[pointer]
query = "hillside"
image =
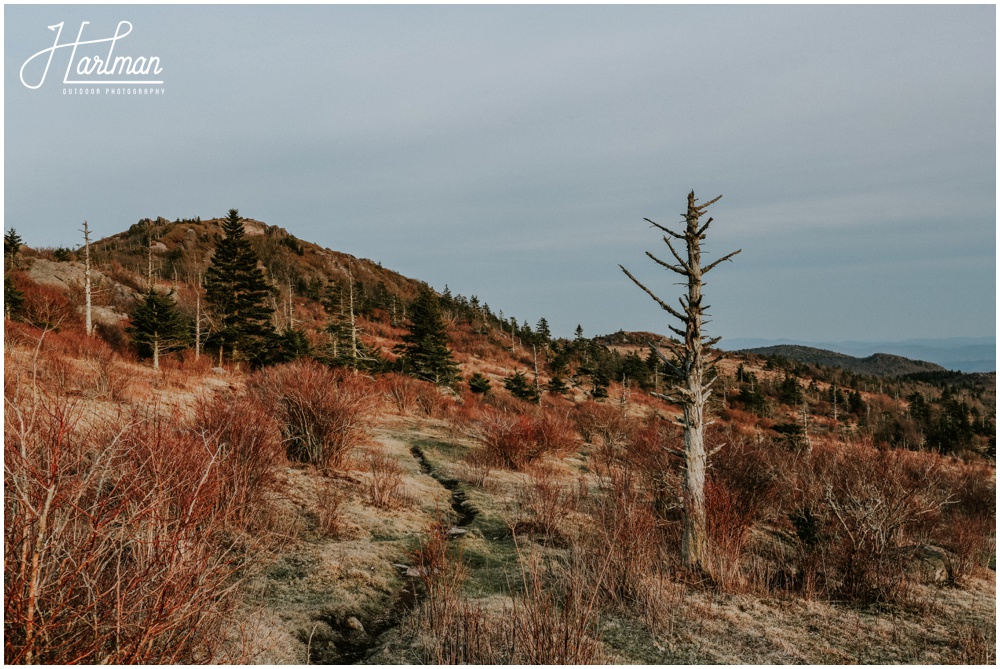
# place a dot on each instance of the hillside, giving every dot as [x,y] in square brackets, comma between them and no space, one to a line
[877,364]
[330,507]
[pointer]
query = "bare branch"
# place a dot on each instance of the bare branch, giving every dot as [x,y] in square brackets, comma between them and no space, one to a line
[666,230]
[723,258]
[680,270]
[702,207]
[676,255]
[673,312]
[668,398]
[702,229]
[664,360]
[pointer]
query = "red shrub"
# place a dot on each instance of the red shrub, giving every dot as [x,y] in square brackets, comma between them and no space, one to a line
[114,545]
[514,441]
[322,412]
[45,306]
[247,443]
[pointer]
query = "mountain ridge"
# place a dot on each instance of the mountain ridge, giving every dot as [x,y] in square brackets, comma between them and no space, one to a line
[964,354]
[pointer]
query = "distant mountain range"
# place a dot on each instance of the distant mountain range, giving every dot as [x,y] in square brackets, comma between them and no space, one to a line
[964,354]
[878,364]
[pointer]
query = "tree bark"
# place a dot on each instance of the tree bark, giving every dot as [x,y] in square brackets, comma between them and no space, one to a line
[691,372]
[86,279]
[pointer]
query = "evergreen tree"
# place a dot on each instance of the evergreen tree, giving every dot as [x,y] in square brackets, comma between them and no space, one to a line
[557,386]
[479,384]
[11,245]
[287,346]
[542,330]
[13,299]
[520,388]
[855,403]
[158,327]
[790,392]
[424,352]
[237,291]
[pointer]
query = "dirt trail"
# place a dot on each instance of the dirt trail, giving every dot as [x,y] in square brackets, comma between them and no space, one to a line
[332,600]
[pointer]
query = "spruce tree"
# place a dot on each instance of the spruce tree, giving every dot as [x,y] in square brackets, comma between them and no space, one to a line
[542,330]
[424,352]
[11,244]
[520,388]
[157,327]
[479,384]
[237,291]
[13,299]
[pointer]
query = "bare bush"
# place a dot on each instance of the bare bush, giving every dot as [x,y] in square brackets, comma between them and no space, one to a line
[739,495]
[602,420]
[515,441]
[551,622]
[322,412]
[385,483]
[400,390]
[114,543]
[329,500]
[545,504]
[248,442]
[626,546]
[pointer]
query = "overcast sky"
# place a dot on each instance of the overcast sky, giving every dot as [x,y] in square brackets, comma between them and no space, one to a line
[512,152]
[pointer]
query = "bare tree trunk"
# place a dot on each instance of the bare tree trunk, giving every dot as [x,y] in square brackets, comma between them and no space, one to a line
[156,352]
[354,329]
[86,279]
[693,388]
[197,320]
[538,390]
[149,256]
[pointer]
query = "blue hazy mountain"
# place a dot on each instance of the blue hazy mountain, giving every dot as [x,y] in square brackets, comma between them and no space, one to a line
[964,354]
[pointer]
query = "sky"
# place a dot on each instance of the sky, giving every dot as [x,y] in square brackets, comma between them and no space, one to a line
[512,152]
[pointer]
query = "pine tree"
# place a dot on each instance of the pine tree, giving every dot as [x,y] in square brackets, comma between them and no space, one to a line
[479,384]
[11,244]
[157,326]
[238,292]
[424,352]
[520,388]
[557,386]
[542,330]
[13,299]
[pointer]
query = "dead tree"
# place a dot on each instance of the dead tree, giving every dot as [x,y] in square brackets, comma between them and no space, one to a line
[86,280]
[691,370]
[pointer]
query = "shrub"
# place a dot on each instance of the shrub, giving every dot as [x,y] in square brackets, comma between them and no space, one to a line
[514,441]
[544,504]
[385,485]
[329,499]
[115,547]
[400,391]
[626,545]
[45,306]
[247,442]
[322,412]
